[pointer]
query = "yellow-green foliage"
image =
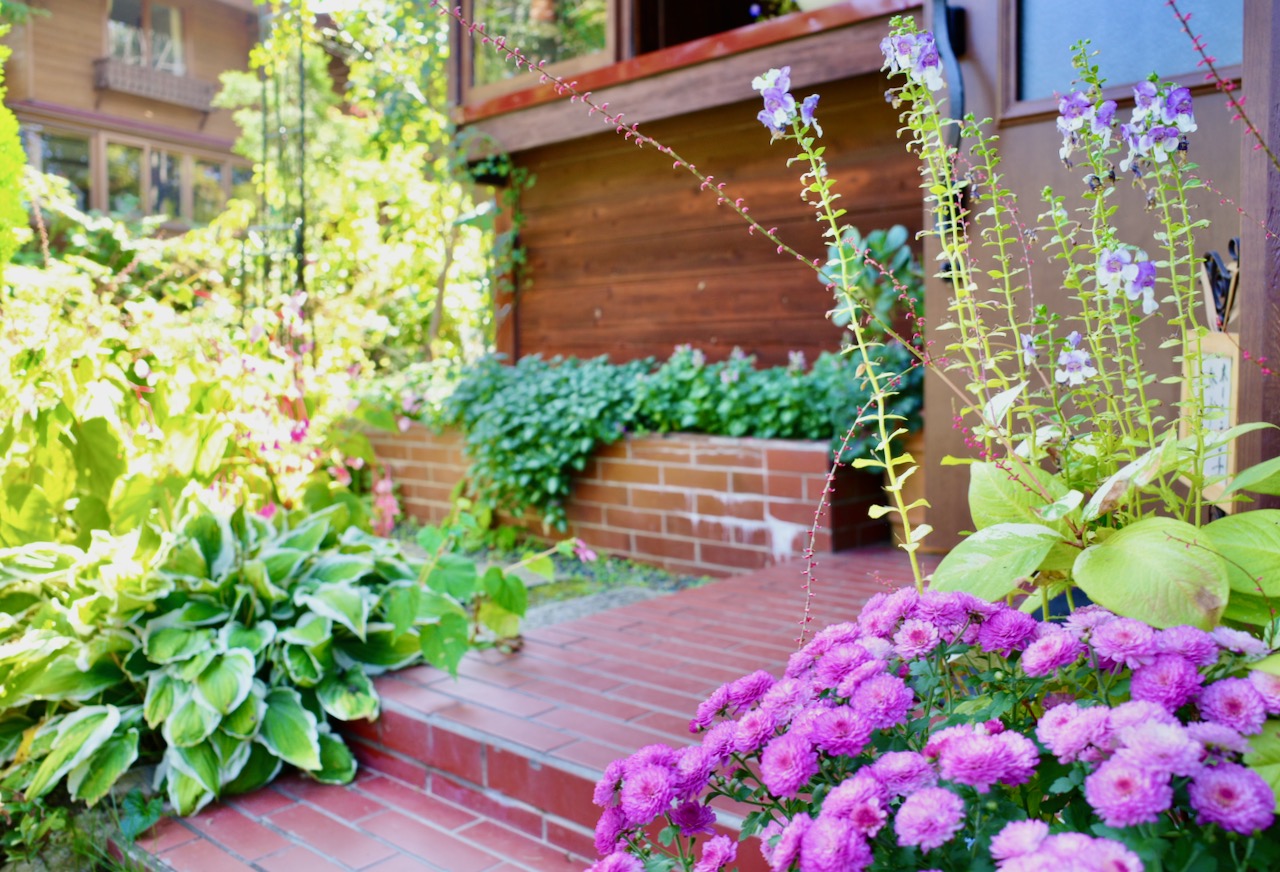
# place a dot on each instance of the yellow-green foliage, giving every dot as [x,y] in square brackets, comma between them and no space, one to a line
[12,161]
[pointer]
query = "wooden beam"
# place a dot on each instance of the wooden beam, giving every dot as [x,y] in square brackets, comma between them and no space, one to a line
[1260,247]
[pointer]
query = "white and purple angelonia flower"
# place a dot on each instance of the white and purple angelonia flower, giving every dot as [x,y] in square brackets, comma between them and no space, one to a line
[1029,353]
[1176,110]
[779,105]
[1161,141]
[916,54]
[1104,117]
[1140,282]
[1074,109]
[807,110]
[1112,263]
[1073,365]
[1145,100]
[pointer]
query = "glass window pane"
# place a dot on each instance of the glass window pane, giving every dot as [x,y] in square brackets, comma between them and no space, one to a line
[166,184]
[124,32]
[1137,40]
[242,186]
[206,192]
[556,30]
[166,40]
[124,179]
[68,156]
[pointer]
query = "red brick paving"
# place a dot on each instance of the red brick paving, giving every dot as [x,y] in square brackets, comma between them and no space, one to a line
[493,772]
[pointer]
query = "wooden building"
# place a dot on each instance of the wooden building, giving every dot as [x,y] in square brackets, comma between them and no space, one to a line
[627,257]
[116,96]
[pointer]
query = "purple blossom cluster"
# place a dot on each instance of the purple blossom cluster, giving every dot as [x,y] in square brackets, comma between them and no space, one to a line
[1074,364]
[915,54]
[780,107]
[1162,118]
[881,764]
[1130,270]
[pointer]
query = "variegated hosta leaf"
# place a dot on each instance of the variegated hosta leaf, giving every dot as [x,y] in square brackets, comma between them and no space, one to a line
[289,731]
[190,722]
[79,734]
[254,639]
[226,681]
[312,629]
[337,763]
[165,645]
[258,770]
[162,693]
[343,603]
[92,779]
[349,696]
[243,723]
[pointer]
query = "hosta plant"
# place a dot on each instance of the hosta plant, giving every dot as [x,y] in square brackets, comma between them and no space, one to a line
[223,652]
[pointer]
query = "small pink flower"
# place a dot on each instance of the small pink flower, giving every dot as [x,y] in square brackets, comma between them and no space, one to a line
[583,552]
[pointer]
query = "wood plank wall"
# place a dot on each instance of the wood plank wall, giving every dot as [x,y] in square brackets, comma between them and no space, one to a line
[628,258]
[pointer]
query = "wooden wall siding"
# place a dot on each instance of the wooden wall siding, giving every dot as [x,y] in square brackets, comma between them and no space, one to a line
[57,51]
[691,503]
[1030,149]
[628,258]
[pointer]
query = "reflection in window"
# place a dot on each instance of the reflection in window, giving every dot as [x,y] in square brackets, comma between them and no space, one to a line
[130,39]
[554,30]
[124,32]
[166,184]
[124,179]
[206,192]
[68,157]
[1135,41]
[166,40]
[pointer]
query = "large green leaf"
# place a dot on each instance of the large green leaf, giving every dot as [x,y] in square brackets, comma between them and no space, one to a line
[1156,570]
[282,564]
[98,457]
[162,693]
[225,682]
[289,731]
[91,780]
[1012,496]
[990,563]
[1264,756]
[507,590]
[383,649]
[303,668]
[344,603]
[173,644]
[337,763]
[341,567]
[1249,542]
[455,575]
[399,604]
[445,643]
[504,624]
[312,629]
[1262,478]
[186,794]
[349,696]
[80,734]
[253,639]
[258,771]
[243,723]
[190,722]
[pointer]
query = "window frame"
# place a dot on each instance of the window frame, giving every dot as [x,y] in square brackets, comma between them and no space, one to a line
[148,59]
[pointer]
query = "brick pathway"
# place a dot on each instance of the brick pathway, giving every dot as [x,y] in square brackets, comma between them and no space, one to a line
[494,771]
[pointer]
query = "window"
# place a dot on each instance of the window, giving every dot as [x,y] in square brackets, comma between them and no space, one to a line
[1137,39]
[124,179]
[242,186]
[67,155]
[206,191]
[165,194]
[146,34]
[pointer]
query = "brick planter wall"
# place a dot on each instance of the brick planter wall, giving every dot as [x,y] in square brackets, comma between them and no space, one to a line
[690,503]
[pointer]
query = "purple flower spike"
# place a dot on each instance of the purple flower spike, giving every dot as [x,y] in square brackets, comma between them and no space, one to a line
[1178,111]
[1074,110]
[1141,283]
[1144,99]
[1074,368]
[1029,353]
[807,109]
[1112,264]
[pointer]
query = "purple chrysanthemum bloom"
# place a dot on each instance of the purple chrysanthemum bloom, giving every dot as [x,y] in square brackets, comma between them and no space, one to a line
[1018,838]
[1074,368]
[657,754]
[1141,284]
[855,679]
[1234,702]
[607,787]
[1068,729]
[1234,797]
[709,708]
[1007,631]
[609,830]
[915,638]
[1177,110]
[830,845]
[754,729]
[692,770]
[929,818]
[1112,263]
[1082,621]
[693,818]
[807,110]
[1268,687]
[861,801]
[787,764]
[1170,680]
[618,862]
[880,616]
[646,793]
[740,694]
[837,663]
[1162,747]
[1125,641]
[883,700]
[1218,738]
[1144,100]
[903,772]
[720,741]
[1111,856]
[1124,794]
[1134,713]
[716,854]
[980,760]
[1238,641]
[1052,651]
[1074,109]
[786,850]
[1194,644]
[840,731]
[786,698]
[1029,353]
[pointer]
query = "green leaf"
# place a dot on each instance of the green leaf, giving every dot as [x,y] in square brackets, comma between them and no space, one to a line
[454,575]
[990,563]
[80,734]
[312,629]
[289,731]
[243,723]
[445,643]
[347,605]
[302,666]
[190,722]
[258,771]
[1249,543]
[998,407]
[252,639]
[162,693]
[337,763]
[92,779]
[349,696]
[1157,570]
[307,537]
[1261,478]
[139,813]
[98,457]
[1264,756]
[508,590]
[400,605]
[173,644]
[199,762]
[225,683]
[282,564]
[1139,472]
[382,649]
[341,567]
[1009,496]
[186,794]
[504,624]
[543,566]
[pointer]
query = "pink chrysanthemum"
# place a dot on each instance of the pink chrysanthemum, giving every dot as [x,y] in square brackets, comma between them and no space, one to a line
[830,845]
[787,764]
[883,700]
[1068,729]
[1268,687]
[980,760]
[1124,793]
[1018,838]
[860,800]
[1234,797]
[1233,702]
[1051,652]
[855,679]
[786,849]
[881,614]
[646,793]
[915,638]
[716,854]
[691,771]
[693,818]
[607,787]
[1192,643]
[837,663]
[903,772]
[651,755]
[1163,747]
[840,731]
[787,697]
[754,729]
[1170,680]
[619,862]
[1238,641]
[929,818]
[720,740]
[1082,621]
[709,708]
[742,693]
[609,830]
[1218,738]
[1006,631]
[1125,641]
[1114,857]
